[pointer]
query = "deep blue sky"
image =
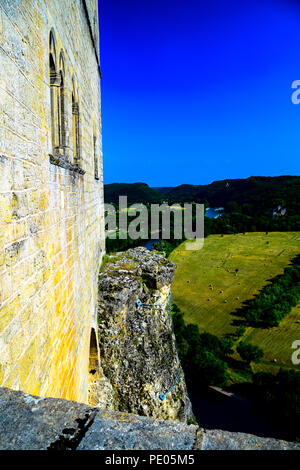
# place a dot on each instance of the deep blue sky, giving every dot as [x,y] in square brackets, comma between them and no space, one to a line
[195,91]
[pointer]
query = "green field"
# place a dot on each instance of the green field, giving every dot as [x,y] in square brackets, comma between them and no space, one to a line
[209,290]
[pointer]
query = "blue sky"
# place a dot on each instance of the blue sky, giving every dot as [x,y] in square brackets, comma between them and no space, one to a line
[195,91]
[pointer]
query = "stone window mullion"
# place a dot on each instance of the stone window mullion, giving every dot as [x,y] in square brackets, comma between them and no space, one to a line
[55,121]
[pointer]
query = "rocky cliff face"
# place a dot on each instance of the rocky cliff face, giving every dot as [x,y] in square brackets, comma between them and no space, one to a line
[137,344]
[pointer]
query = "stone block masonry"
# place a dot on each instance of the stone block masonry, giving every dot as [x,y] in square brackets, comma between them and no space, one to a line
[51,203]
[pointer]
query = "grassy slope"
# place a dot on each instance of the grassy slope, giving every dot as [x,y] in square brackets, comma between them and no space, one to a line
[257,262]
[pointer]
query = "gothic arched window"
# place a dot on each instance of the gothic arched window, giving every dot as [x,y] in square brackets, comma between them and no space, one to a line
[61,104]
[54,85]
[96,159]
[75,125]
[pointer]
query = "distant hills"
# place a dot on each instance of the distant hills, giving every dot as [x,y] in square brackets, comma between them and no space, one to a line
[257,193]
[135,192]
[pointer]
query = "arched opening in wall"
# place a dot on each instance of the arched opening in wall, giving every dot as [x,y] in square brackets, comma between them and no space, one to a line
[62,130]
[75,126]
[54,85]
[74,132]
[94,370]
[96,159]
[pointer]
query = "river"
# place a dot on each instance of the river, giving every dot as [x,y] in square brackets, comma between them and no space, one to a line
[214,410]
[214,212]
[149,244]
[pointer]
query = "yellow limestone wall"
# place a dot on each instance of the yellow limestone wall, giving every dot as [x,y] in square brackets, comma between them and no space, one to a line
[51,232]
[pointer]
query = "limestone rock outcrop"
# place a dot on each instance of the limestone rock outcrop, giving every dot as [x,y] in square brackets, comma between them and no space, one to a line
[136,341]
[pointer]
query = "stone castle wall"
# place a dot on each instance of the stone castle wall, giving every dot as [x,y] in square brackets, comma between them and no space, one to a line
[51,203]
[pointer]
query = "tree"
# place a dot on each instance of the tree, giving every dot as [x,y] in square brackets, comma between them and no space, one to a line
[226,346]
[249,352]
[233,206]
[209,369]
[240,331]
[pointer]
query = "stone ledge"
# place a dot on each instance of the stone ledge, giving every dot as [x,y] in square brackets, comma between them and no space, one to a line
[123,431]
[215,439]
[59,161]
[34,423]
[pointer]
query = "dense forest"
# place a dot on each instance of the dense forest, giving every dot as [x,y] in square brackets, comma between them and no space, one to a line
[255,195]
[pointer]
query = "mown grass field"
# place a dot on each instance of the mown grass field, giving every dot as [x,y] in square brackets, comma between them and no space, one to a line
[212,284]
